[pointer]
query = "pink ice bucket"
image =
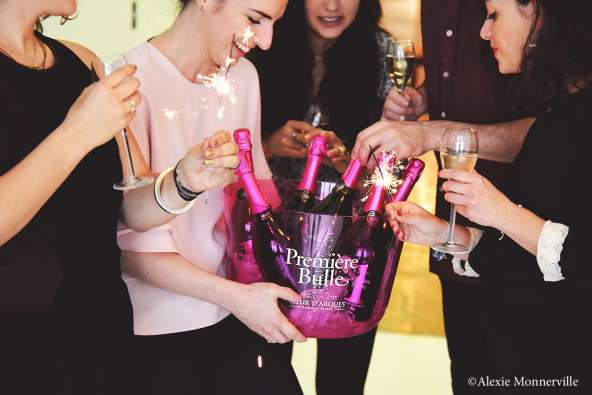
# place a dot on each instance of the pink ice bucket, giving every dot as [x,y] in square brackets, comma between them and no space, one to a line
[345,289]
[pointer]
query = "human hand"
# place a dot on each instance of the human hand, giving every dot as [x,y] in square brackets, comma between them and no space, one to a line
[415,224]
[256,305]
[408,106]
[406,139]
[476,198]
[290,140]
[210,164]
[104,108]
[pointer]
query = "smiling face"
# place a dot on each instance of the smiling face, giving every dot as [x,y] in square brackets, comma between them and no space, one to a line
[234,27]
[330,18]
[507,28]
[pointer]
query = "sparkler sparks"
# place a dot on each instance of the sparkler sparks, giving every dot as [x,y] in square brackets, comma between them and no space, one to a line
[387,174]
[248,34]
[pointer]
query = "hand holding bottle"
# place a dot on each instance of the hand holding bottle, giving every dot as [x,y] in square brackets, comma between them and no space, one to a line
[210,164]
[256,305]
[103,109]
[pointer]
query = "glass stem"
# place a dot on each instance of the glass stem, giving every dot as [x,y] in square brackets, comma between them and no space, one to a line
[130,162]
[452,224]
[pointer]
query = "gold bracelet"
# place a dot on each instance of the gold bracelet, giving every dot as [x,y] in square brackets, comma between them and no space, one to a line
[158,196]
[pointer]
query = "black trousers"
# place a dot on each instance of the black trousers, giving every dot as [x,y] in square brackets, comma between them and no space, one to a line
[40,356]
[224,359]
[466,323]
[342,364]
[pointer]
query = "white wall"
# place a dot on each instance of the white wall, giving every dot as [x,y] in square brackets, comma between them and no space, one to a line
[105,25]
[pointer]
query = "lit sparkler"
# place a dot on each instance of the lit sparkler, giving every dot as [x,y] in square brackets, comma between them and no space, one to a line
[387,174]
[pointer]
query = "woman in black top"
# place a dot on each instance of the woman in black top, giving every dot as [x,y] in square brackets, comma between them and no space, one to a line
[536,270]
[64,311]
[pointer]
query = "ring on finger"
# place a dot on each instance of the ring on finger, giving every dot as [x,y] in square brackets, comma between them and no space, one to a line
[341,150]
[133,103]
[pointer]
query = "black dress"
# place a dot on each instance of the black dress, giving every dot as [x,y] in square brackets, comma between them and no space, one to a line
[537,328]
[64,310]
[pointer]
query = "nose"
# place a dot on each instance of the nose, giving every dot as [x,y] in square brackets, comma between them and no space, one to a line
[486,30]
[332,5]
[264,36]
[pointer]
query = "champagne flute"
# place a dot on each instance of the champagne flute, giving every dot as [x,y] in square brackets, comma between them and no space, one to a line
[132,181]
[459,150]
[401,63]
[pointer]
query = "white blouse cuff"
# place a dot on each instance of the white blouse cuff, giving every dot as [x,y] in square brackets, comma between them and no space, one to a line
[549,250]
[467,271]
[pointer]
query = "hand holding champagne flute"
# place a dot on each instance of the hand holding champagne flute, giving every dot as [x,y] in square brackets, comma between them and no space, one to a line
[401,63]
[459,150]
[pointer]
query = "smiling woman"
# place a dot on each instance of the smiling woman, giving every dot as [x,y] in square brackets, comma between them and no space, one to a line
[198,332]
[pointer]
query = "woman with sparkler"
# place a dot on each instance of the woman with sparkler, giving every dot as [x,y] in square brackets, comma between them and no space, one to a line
[326,70]
[532,254]
[198,332]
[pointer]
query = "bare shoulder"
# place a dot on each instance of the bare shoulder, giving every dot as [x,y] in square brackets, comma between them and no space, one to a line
[85,54]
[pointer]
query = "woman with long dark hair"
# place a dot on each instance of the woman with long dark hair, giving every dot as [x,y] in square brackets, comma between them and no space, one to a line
[326,69]
[532,253]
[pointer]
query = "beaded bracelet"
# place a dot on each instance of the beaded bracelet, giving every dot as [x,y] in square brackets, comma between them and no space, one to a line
[186,194]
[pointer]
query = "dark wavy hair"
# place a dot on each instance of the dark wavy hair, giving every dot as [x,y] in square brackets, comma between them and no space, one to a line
[563,53]
[348,92]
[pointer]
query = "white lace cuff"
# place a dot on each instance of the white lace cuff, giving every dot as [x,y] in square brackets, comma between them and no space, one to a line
[549,250]
[467,271]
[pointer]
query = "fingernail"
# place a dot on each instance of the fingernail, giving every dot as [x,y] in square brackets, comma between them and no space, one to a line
[399,212]
[209,153]
[208,162]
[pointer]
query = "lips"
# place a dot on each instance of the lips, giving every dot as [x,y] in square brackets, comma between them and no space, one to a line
[330,21]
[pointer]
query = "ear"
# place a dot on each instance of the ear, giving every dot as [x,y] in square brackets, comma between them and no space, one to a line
[211,5]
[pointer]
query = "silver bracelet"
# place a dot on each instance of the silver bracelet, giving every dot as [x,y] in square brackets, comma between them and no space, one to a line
[160,200]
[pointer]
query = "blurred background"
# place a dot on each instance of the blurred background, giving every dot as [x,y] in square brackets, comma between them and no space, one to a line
[410,355]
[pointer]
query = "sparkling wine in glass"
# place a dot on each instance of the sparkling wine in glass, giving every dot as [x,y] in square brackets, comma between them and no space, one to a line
[459,150]
[401,63]
[132,181]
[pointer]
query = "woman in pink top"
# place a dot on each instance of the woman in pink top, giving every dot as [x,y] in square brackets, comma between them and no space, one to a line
[199,332]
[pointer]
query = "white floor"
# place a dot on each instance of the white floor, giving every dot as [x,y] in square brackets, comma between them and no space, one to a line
[401,365]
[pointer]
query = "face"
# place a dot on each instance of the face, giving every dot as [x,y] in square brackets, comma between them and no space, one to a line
[507,27]
[234,27]
[330,18]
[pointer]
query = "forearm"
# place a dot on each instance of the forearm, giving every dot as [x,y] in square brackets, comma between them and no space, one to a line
[174,273]
[141,212]
[29,185]
[522,226]
[498,142]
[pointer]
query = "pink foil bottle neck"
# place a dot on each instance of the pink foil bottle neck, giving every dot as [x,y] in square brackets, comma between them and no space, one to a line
[352,174]
[410,177]
[242,138]
[248,182]
[316,152]
[375,202]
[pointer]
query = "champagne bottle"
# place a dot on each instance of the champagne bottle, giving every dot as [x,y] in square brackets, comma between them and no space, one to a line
[340,200]
[242,138]
[304,198]
[410,177]
[270,240]
[365,244]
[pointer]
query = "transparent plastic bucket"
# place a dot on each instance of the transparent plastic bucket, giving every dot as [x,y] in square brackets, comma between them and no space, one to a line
[341,296]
